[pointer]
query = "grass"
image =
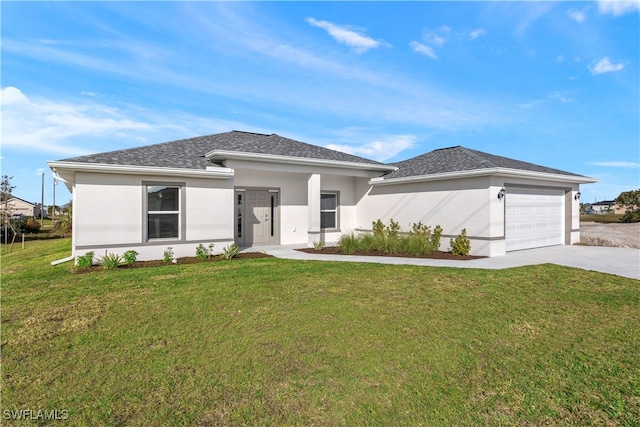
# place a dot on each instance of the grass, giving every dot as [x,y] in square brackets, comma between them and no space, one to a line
[602,218]
[280,342]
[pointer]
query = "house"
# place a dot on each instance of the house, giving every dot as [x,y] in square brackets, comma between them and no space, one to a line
[603,207]
[19,207]
[257,189]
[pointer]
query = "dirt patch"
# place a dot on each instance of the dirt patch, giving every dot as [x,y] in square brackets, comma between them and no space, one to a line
[333,250]
[613,234]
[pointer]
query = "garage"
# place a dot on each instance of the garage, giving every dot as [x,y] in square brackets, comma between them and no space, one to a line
[534,218]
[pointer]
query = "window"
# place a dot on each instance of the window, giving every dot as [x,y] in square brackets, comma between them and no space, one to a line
[163,212]
[328,211]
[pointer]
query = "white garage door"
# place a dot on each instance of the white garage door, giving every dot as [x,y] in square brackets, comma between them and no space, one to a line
[533,218]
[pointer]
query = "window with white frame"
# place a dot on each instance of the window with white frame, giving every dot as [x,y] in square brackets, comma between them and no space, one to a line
[163,212]
[329,211]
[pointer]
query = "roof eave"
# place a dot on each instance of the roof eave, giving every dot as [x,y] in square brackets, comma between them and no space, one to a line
[274,158]
[220,173]
[506,172]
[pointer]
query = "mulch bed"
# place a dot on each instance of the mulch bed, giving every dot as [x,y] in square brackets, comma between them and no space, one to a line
[185,260]
[334,250]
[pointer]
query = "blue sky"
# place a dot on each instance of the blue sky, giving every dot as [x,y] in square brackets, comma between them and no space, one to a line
[552,83]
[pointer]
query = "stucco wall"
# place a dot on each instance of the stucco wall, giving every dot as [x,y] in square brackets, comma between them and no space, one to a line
[109,215]
[452,204]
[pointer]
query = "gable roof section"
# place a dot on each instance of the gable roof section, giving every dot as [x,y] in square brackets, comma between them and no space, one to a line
[462,161]
[190,153]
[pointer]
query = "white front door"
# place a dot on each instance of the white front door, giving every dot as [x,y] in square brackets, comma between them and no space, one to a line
[533,218]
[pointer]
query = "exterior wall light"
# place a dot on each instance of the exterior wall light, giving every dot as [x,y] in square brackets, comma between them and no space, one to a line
[501,193]
[578,194]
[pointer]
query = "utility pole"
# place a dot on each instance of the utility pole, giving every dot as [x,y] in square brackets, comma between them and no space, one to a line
[42,204]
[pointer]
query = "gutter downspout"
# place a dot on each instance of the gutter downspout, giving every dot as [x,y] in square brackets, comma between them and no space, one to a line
[60,261]
[57,176]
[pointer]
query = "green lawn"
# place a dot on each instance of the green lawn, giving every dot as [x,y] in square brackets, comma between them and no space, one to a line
[280,342]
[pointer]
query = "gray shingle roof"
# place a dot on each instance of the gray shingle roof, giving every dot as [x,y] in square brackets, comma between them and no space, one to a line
[456,159]
[189,153]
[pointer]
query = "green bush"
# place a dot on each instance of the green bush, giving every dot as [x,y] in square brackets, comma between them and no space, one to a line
[230,251]
[630,199]
[349,243]
[631,216]
[203,252]
[167,256]
[318,245]
[130,256]
[389,239]
[85,260]
[435,238]
[461,245]
[110,261]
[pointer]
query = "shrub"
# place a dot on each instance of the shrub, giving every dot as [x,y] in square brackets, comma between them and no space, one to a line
[203,252]
[378,228]
[130,256]
[318,245]
[64,225]
[110,261]
[349,243]
[461,245]
[435,238]
[229,252]
[631,216]
[630,199]
[385,238]
[32,226]
[168,255]
[85,260]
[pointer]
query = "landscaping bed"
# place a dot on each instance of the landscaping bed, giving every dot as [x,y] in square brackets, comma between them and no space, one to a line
[184,260]
[334,250]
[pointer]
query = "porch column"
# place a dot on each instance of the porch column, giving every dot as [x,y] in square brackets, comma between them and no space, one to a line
[313,205]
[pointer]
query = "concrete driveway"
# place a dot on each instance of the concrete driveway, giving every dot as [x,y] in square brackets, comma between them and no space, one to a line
[623,262]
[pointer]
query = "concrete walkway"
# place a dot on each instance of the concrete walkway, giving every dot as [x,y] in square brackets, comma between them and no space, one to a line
[623,262]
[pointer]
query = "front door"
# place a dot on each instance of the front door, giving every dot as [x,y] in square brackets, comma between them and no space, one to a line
[258,223]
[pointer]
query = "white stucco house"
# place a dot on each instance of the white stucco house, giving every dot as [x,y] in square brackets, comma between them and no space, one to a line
[257,189]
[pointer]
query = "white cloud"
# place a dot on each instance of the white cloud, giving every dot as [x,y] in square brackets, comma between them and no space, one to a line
[434,39]
[63,128]
[617,164]
[605,66]
[477,33]
[559,58]
[12,96]
[379,150]
[360,43]
[577,15]
[425,50]
[618,7]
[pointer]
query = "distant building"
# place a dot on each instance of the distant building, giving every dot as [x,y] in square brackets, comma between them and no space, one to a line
[605,206]
[17,206]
